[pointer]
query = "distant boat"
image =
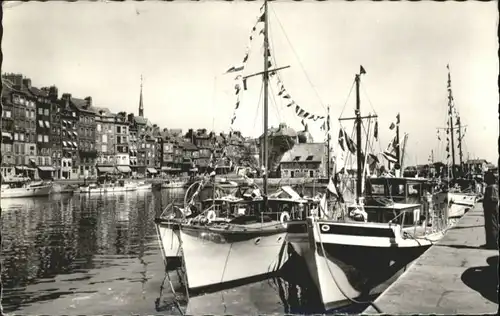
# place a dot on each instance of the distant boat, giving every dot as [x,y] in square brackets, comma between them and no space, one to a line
[21,189]
[107,187]
[174,184]
[143,186]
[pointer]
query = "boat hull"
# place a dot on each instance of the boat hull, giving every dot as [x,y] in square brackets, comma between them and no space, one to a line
[170,240]
[144,187]
[8,193]
[218,259]
[356,261]
[87,190]
[457,203]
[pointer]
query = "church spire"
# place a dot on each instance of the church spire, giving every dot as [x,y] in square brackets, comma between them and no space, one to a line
[141,106]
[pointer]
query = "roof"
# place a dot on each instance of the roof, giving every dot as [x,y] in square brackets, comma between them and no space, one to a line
[305,152]
[282,130]
[105,111]
[189,146]
[141,120]
[39,92]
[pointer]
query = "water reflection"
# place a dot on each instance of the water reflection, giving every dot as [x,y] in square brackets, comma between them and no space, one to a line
[100,255]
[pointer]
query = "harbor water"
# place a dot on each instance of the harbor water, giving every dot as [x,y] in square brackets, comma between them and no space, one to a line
[98,254]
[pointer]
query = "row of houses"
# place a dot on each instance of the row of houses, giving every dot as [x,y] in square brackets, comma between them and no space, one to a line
[47,135]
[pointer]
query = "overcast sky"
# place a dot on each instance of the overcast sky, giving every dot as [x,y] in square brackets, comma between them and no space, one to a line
[183,49]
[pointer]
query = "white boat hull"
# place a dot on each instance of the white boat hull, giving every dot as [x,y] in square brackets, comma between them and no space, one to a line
[8,193]
[170,240]
[88,190]
[173,185]
[213,259]
[144,187]
[359,259]
[457,203]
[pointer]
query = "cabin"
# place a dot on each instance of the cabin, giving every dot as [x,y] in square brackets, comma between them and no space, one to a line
[408,195]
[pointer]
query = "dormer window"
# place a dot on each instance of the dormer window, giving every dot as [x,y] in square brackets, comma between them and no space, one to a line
[309,158]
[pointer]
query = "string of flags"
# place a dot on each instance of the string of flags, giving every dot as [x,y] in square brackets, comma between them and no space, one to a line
[240,82]
[393,125]
[390,152]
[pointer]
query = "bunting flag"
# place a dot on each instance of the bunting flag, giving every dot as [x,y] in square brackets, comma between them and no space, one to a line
[390,152]
[375,131]
[351,146]
[393,125]
[240,82]
[341,139]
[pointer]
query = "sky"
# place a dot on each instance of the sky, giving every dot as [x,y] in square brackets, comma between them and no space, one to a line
[183,49]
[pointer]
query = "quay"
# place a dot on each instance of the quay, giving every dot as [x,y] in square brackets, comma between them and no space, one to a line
[455,276]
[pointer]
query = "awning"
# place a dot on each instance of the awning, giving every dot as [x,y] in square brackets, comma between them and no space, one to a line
[46,168]
[33,161]
[24,168]
[65,122]
[75,145]
[75,133]
[47,124]
[7,135]
[193,169]
[124,169]
[152,170]
[40,123]
[104,169]
[165,168]
[65,144]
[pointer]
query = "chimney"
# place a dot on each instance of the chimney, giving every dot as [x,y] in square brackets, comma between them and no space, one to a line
[27,83]
[89,102]
[66,97]
[53,93]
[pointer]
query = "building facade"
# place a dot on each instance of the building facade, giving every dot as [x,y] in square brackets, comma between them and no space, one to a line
[43,131]
[86,137]
[69,138]
[305,160]
[122,156]
[105,141]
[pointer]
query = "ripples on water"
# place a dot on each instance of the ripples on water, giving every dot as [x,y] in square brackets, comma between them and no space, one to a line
[100,254]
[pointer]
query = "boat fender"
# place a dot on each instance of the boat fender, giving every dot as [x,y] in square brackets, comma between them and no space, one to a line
[211,215]
[284,217]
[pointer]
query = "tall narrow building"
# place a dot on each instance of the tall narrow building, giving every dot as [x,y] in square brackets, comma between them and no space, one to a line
[141,106]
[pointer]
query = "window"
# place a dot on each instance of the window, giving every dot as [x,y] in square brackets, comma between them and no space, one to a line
[311,172]
[297,158]
[40,138]
[98,127]
[40,111]
[104,148]
[16,136]
[292,174]
[46,112]
[118,129]
[27,113]
[309,158]
[46,138]
[21,137]
[104,138]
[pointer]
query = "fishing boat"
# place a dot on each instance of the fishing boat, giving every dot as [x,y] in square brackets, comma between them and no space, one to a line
[25,188]
[361,248]
[458,193]
[236,238]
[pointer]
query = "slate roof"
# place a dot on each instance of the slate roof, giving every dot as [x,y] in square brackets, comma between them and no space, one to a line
[308,152]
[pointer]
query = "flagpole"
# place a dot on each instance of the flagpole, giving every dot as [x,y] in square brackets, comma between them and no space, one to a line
[266,79]
[358,140]
[450,107]
[328,144]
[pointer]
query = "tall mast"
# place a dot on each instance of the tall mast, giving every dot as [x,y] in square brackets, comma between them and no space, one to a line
[328,144]
[266,80]
[398,149]
[450,112]
[460,152]
[358,139]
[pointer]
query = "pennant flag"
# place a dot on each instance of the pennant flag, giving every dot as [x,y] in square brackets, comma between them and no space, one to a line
[331,188]
[389,156]
[375,132]
[350,143]
[301,112]
[235,69]
[392,126]
[372,159]
[245,84]
[290,104]
[303,123]
[287,96]
[297,109]
[362,70]
[306,114]
[341,139]
[262,18]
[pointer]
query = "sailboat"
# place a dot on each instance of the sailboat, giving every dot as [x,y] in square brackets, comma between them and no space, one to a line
[458,194]
[359,253]
[239,238]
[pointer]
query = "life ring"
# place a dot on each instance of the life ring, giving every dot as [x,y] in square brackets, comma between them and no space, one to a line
[284,217]
[211,215]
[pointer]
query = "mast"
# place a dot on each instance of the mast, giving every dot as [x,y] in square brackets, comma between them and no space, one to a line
[358,138]
[328,145]
[450,111]
[398,149]
[460,153]
[266,82]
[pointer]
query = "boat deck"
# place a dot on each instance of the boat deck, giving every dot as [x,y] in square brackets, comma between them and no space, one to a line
[456,276]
